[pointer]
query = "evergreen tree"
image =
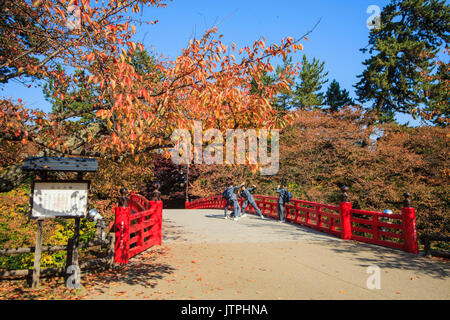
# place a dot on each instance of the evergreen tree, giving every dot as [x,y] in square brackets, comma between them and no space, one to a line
[403,52]
[81,96]
[312,77]
[285,100]
[438,110]
[304,91]
[337,98]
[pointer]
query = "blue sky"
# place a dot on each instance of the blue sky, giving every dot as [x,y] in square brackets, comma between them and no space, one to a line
[337,39]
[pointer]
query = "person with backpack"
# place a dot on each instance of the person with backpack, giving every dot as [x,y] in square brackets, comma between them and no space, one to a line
[284,196]
[249,200]
[231,199]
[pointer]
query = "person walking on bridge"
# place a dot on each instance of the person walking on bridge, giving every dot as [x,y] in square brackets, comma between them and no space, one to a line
[281,190]
[231,199]
[249,200]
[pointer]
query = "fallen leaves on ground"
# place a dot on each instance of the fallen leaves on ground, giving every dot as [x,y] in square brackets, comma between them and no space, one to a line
[143,269]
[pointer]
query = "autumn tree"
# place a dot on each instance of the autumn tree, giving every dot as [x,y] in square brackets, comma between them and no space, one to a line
[399,73]
[379,162]
[132,114]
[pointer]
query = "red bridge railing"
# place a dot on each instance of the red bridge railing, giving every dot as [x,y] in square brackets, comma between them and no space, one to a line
[390,230]
[138,227]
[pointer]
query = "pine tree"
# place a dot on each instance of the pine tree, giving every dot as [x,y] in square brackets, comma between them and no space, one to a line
[337,98]
[312,77]
[438,110]
[284,100]
[403,52]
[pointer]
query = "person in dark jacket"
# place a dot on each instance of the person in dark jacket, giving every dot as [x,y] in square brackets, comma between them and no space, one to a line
[231,199]
[281,190]
[249,200]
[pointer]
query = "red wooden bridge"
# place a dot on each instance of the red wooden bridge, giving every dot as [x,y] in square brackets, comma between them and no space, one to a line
[390,230]
[138,225]
[308,257]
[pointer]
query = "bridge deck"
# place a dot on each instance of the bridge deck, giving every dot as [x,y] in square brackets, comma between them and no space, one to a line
[204,256]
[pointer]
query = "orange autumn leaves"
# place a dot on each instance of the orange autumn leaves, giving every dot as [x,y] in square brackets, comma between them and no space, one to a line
[208,82]
[205,83]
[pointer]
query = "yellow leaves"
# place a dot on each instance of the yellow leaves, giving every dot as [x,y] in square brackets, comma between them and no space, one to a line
[133,29]
[129,98]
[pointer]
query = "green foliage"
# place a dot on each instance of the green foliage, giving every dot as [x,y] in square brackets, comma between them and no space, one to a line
[400,70]
[82,96]
[312,76]
[16,231]
[285,101]
[304,90]
[438,109]
[337,98]
[145,65]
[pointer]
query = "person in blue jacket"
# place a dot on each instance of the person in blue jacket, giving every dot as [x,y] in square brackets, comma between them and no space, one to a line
[231,199]
[249,200]
[281,190]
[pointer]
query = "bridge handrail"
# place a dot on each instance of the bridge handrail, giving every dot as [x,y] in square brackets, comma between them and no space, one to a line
[379,228]
[138,227]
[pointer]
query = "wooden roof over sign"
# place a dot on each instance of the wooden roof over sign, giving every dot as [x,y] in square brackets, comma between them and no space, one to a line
[60,164]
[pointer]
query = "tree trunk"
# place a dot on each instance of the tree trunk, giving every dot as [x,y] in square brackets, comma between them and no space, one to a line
[12,177]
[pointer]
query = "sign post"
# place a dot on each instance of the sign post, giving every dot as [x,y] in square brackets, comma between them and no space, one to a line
[63,199]
[37,254]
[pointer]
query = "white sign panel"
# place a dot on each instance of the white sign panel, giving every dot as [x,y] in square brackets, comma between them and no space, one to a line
[59,199]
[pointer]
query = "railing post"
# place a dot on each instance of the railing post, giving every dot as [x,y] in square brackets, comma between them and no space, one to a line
[159,223]
[156,194]
[427,245]
[409,225]
[122,227]
[319,216]
[344,209]
[110,251]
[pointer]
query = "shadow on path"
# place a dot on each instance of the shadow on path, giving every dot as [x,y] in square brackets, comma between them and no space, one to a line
[143,269]
[365,254]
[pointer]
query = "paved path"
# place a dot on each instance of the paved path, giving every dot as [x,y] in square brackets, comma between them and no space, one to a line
[204,256]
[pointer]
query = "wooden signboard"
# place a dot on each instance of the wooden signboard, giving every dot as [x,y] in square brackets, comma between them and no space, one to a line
[66,199]
[52,199]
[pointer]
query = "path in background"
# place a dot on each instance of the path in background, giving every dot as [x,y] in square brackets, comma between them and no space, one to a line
[204,256]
